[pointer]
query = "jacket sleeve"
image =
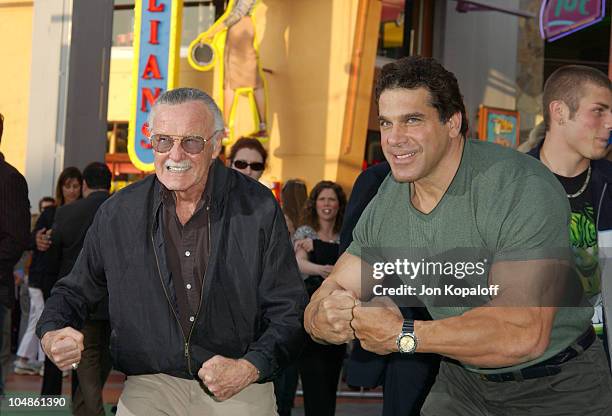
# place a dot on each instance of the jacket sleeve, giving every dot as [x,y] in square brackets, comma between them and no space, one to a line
[282,299]
[79,292]
[14,219]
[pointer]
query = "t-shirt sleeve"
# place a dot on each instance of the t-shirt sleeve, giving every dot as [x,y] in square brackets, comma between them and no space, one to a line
[364,241]
[529,220]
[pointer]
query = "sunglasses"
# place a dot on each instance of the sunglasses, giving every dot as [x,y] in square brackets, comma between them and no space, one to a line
[243,164]
[163,143]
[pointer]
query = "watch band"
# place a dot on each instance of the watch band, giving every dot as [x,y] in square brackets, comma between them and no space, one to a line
[408,326]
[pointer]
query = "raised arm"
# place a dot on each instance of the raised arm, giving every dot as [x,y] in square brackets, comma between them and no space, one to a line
[71,299]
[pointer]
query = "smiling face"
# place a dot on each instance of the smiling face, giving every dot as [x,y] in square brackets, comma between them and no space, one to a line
[249,156]
[71,190]
[413,139]
[327,205]
[588,131]
[176,169]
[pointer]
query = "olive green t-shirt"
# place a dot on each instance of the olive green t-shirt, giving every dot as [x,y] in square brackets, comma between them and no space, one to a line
[500,200]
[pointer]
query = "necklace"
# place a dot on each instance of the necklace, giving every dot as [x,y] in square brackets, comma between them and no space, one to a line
[584,185]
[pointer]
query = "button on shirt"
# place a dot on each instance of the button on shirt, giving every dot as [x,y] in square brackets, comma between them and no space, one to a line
[187,251]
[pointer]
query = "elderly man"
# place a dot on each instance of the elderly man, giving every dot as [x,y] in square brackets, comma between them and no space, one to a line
[205,299]
[520,344]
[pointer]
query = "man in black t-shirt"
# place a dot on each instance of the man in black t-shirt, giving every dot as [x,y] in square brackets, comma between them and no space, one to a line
[578,117]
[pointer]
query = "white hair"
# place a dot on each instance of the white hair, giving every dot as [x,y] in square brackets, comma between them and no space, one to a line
[184,95]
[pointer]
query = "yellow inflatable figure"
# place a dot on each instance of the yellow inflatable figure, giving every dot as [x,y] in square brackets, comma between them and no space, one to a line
[233,38]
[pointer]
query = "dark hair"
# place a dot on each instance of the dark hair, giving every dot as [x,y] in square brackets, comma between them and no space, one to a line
[567,84]
[248,143]
[1,125]
[293,196]
[43,200]
[69,173]
[97,176]
[309,214]
[419,72]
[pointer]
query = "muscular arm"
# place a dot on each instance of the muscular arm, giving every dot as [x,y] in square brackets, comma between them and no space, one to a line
[507,331]
[489,336]
[514,327]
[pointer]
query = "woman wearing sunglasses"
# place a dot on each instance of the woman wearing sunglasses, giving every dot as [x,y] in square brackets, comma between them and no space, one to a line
[248,156]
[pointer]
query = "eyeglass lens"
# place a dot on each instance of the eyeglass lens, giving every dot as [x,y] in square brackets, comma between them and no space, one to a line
[242,164]
[190,144]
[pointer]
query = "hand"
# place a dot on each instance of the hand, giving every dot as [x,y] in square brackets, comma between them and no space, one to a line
[225,377]
[325,270]
[331,321]
[63,347]
[304,243]
[43,239]
[377,324]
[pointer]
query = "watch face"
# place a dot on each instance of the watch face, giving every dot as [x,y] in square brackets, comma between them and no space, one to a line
[406,344]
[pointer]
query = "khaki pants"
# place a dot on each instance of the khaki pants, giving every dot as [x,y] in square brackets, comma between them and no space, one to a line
[161,394]
[584,387]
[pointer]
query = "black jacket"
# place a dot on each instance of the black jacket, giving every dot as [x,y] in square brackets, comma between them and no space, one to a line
[14,226]
[253,297]
[70,226]
[38,267]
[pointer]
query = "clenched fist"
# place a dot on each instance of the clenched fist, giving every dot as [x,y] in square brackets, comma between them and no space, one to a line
[63,347]
[225,377]
[331,319]
[377,324]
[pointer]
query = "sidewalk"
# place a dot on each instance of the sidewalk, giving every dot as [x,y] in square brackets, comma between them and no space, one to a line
[22,386]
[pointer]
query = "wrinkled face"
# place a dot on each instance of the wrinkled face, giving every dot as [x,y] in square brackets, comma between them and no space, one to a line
[587,133]
[176,169]
[327,205]
[249,156]
[71,190]
[412,137]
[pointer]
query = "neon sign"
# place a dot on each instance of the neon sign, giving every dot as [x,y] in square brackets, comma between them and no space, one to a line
[154,69]
[559,18]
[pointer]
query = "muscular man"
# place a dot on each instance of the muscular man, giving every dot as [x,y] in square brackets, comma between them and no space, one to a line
[516,350]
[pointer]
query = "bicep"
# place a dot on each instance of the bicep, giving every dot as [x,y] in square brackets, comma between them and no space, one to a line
[347,274]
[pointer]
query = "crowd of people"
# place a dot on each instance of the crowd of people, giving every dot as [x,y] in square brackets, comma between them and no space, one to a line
[209,295]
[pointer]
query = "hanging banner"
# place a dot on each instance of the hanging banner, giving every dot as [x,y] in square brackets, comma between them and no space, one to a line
[157,29]
[559,18]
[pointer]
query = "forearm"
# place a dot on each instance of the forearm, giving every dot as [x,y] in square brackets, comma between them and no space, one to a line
[307,267]
[488,337]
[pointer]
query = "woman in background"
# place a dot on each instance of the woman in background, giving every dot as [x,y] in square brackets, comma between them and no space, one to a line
[320,365]
[248,156]
[68,190]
